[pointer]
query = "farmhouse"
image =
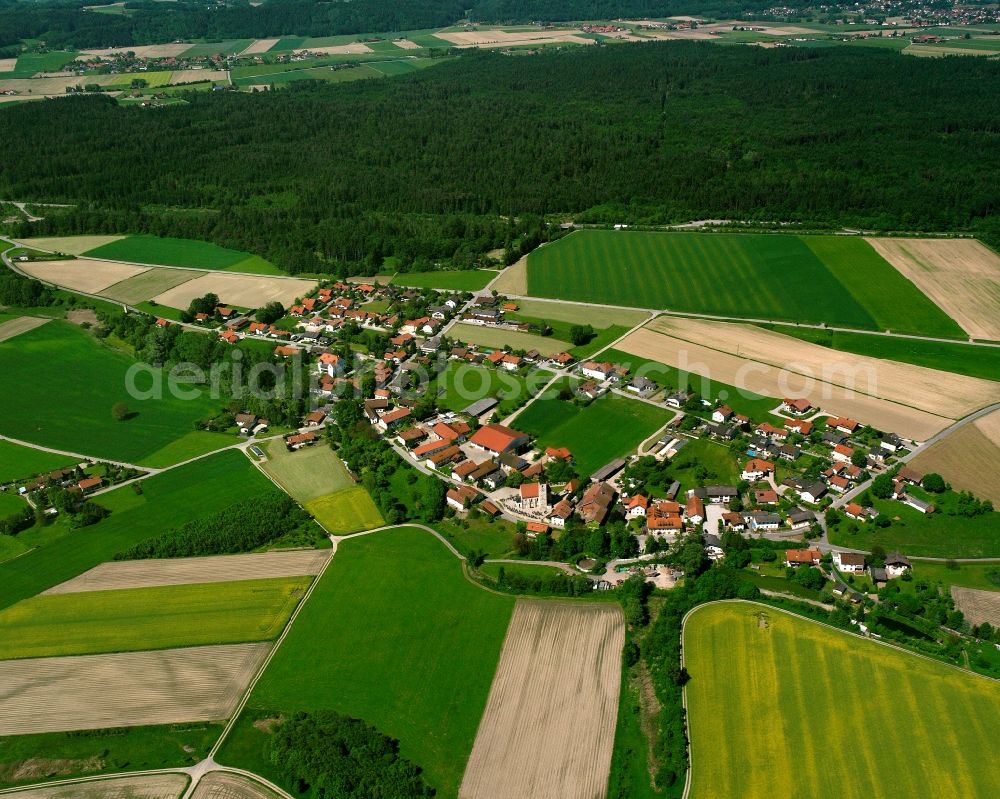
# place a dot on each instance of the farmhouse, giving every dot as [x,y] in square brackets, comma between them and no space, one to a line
[561,513]
[695,509]
[597,371]
[716,495]
[636,506]
[896,565]
[90,484]
[442,457]
[664,516]
[300,440]
[759,520]
[462,497]
[390,419]
[596,503]
[497,439]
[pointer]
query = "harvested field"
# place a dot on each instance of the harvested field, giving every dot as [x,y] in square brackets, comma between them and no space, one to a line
[500,38]
[141,51]
[151,786]
[910,400]
[196,75]
[182,571]
[222,785]
[52,85]
[260,46]
[549,723]
[961,275]
[124,690]
[355,48]
[513,281]
[241,290]
[71,245]
[88,276]
[348,510]
[977,606]
[8,64]
[15,327]
[498,338]
[968,458]
[405,44]
[148,284]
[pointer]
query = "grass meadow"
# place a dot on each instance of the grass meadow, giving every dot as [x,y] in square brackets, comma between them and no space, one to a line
[817,279]
[17,462]
[166,251]
[963,359]
[136,619]
[167,500]
[307,474]
[608,428]
[778,689]
[393,634]
[464,280]
[499,338]
[69,407]
[461,384]
[349,510]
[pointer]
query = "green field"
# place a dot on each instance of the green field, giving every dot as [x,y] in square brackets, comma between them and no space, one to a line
[11,547]
[148,284]
[498,338]
[226,46]
[722,465]
[756,407]
[135,619]
[72,754]
[30,63]
[92,380]
[167,500]
[769,690]
[307,474]
[464,280]
[763,276]
[963,359]
[10,503]
[580,314]
[461,384]
[984,575]
[17,462]
[403,66]
[608,428]
[936,535]
[349,510]
[494,538]
[393,634]
[278,78]
[153,79]
[166,251]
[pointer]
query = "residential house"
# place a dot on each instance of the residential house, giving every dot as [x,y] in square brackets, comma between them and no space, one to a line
[561,513]
[462,497]
[716,495]
[664,517]
[765,496]
[597,371]
[800,518]
[299,440]
[511,362]
[635,506]
[842,452]
[678,399]
[89,484]
[722,414]
[800,426]
[734,521]
[390,419]
[331,363]
[762,521]
[757,469]
[768,430]
[851,562]
[896,565]
[713,547]
[796,406]
[315,418]
[694,510]
[802,557]
[642,386]
[536,529]
[843,424]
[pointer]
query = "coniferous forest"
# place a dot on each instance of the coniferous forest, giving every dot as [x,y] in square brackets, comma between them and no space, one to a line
[475,153]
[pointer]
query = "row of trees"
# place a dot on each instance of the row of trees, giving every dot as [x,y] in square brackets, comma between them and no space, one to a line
[646,134]
[242,527]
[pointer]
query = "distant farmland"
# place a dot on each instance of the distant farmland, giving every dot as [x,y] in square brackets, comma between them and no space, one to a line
[833,279]
[165,251]
[769,690]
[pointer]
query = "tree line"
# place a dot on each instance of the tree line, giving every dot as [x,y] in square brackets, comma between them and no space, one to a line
[475,153]
[242,527]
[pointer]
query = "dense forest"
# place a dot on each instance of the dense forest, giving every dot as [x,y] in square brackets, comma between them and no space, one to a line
[66,23]
[433,166]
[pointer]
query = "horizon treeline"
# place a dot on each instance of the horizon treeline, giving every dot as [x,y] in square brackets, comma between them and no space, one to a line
[475,153]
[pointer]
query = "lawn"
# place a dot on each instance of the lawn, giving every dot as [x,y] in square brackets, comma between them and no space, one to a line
[936,535]
[764,276]
[525,570]
[167,500]
[493,538]
[985,576]
[461,384]
[17,462]
[76,416]
[464,280]
[610,427]
[704,462]
[963,359]
[307,474]
[349,510]
[166,251]
[393,634]
[778,689]
[115,750]
[754,406]
[136,619]
[498,338]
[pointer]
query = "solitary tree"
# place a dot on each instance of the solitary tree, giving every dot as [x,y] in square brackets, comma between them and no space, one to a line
[119,411]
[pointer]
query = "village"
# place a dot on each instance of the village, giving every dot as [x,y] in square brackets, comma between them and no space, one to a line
[795,478]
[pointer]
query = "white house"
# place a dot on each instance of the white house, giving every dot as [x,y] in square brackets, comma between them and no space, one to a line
[896,565]
[757,469]
[597,371]
[850,562]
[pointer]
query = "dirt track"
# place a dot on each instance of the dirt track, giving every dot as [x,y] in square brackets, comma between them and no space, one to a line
[125,690]
[15,327]
[549,724]
[961,275]
[978,606]
[220,785]
[155,786]
[183,571]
